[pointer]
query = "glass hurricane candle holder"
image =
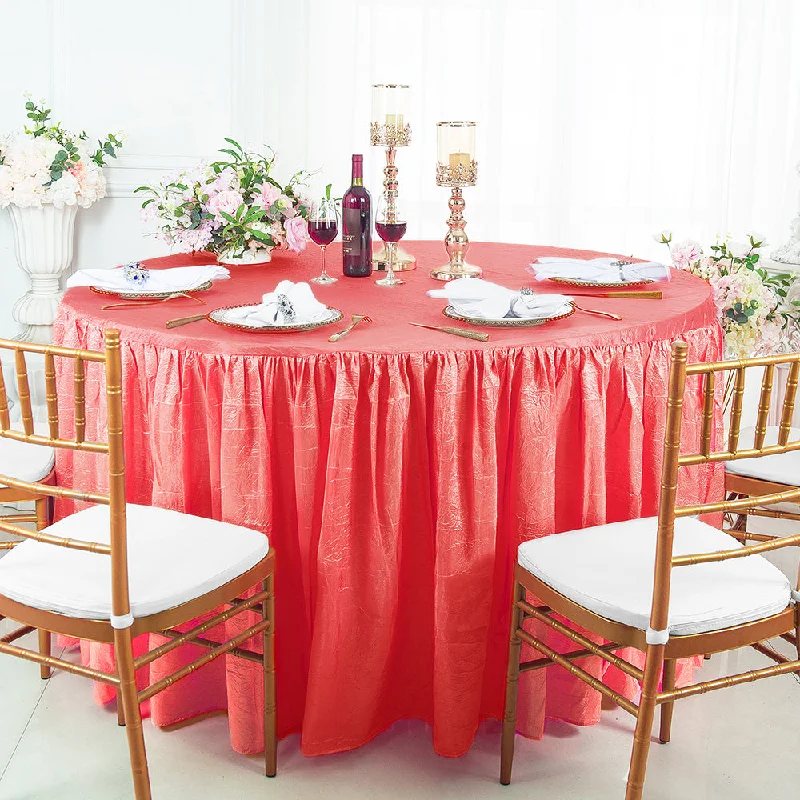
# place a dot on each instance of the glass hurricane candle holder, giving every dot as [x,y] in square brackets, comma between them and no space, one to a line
[389,129]
[456,167]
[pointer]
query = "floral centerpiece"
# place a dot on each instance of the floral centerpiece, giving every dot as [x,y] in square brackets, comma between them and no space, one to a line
[759,310]
[46,173]
[46,163]
[232,207]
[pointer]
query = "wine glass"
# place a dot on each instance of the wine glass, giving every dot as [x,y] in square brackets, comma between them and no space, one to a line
[322,228]
[390,224]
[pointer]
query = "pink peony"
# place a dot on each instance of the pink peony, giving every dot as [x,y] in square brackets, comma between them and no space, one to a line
[685,253]
[266,196]
[227,201]
[296,233]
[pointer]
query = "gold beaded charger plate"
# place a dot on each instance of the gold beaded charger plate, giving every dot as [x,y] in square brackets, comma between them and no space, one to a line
[600,284]
[512,322]
[222,316]
[142,294]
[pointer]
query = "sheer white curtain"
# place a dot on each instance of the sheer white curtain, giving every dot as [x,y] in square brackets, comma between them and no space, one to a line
[600,121]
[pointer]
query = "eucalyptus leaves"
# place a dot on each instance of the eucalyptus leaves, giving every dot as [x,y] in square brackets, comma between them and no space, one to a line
[229,206]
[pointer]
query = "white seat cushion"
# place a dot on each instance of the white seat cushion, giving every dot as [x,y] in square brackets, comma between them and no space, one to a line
[608,569]
[25,461]
[779,468]
[172,558]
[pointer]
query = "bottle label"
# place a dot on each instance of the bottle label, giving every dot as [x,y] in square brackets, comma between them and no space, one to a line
[352,233]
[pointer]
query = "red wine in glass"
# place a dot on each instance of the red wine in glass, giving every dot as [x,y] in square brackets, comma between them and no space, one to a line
[322,232]
[390,223]
[323,226]
[391,231]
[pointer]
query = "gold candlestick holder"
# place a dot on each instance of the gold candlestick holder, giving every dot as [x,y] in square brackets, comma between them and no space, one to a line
[389,129]
[456,168]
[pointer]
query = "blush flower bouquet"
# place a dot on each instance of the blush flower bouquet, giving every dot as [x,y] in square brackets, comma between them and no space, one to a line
[46,163]
[233,207]
[759,310]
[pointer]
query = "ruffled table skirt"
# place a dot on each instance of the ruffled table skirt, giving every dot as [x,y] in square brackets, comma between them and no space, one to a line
[395,474]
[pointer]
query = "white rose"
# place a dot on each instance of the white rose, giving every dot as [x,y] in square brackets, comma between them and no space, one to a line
[757,239]
[663,237]
[738,249]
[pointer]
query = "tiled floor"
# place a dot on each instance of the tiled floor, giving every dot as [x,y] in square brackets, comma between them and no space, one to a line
[740,744]
[737,744]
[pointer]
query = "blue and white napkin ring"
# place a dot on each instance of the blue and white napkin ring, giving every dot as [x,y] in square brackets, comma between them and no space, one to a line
[285,309]
[135,274]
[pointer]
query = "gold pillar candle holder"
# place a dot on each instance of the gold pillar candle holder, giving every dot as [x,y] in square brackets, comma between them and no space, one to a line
[389,129]
[456,167]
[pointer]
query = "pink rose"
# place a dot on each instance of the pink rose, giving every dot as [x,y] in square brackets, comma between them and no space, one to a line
[686,253]
[227,201]
[296,233]
[266,196]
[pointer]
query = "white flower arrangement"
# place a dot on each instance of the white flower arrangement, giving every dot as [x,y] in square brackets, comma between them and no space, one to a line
[759,311]
[47,164]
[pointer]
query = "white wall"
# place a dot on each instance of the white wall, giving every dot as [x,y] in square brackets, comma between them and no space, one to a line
[599,120]
[166,72]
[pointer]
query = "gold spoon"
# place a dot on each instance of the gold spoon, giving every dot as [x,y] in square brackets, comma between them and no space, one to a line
[356,319]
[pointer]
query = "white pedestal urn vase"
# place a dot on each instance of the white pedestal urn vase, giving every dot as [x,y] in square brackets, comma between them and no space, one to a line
[43,239]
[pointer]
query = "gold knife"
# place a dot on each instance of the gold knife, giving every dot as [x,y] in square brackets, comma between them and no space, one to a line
[479,337]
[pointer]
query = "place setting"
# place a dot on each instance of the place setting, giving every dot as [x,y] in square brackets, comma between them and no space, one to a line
[601,273]
[290,308]
[481,302]
[140,286]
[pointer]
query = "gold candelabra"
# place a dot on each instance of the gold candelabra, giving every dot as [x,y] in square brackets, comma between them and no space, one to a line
[389,129]
[456,168]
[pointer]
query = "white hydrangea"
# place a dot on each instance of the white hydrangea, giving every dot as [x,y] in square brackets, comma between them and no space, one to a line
[25,178]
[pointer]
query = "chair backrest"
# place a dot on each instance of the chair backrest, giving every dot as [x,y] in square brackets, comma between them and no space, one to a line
[668,510]
[112,447]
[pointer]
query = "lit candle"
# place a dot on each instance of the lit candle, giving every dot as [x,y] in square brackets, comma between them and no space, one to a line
[394,120]
[459,160]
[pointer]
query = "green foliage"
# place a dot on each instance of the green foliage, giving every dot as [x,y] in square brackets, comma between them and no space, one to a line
[69,156]
[182,203]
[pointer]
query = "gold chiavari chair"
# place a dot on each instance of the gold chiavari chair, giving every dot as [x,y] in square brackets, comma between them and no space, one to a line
[114,570]
[33,464]
[670,586]
[749,478]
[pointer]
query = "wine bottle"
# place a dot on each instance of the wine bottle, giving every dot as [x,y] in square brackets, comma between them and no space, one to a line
[357,225]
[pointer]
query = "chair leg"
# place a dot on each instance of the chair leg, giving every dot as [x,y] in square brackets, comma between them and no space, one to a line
[44,649]
[270,711]
[644,722]
[123,649]
[667,683]
[512,683]
[120,710]
[42,521]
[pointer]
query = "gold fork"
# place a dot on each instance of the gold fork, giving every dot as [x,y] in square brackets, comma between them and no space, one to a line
[140,303]
[356,319]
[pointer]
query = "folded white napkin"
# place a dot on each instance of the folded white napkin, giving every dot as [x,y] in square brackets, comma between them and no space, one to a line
[600,270]
[480,299]
[290,304]
[175,279]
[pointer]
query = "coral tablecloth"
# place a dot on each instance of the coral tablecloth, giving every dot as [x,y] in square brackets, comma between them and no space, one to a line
[395,472]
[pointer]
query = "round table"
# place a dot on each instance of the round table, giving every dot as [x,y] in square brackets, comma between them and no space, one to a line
[395,472]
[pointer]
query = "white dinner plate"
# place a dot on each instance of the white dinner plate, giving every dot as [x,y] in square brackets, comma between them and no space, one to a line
[140,293]
[506,322]
[228,317]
